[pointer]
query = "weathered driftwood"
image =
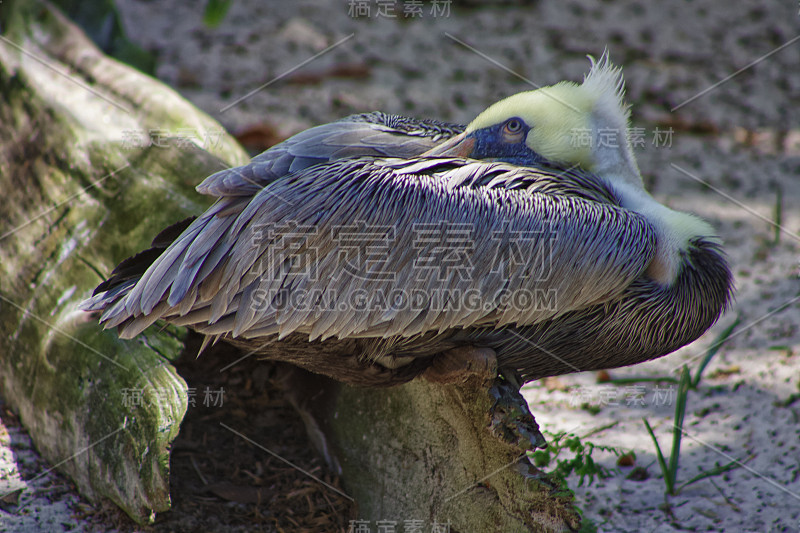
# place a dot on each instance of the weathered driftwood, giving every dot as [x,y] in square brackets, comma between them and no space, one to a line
[81,193]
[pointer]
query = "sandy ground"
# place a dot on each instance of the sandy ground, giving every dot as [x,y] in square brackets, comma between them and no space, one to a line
[715,91]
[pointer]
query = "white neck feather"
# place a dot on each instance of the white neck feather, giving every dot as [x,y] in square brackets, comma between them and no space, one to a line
[674,230]
[612,152]
[613,160]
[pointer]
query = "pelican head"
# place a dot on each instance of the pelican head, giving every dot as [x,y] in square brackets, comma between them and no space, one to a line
[580,125]
[567,124]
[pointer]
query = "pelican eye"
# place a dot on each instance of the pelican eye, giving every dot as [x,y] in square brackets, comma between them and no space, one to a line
[513,130]
[513,126]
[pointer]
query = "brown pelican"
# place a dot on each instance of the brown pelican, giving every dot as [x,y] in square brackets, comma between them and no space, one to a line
[371,269]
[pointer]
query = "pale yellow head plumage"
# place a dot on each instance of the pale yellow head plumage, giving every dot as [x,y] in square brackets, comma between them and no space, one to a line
[564,118]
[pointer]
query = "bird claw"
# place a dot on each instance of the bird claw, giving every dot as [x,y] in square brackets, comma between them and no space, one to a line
[457,365]
[511,420]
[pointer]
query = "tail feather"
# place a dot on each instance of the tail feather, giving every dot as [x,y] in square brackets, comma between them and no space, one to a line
[138,324]
[110,295]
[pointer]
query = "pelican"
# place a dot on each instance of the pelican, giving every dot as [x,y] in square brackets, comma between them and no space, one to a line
[506,241]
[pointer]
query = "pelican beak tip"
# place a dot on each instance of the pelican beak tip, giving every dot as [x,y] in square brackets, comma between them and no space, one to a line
[459,146]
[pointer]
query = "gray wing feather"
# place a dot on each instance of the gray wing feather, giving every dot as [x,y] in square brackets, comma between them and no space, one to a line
[271,250]
[370,134]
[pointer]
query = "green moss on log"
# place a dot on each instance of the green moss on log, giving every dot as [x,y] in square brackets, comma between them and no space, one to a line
[76,202]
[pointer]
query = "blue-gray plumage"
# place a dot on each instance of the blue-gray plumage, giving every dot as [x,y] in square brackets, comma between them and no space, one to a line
[328,254]
[366,134]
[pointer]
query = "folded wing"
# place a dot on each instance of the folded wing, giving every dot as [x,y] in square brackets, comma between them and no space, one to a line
[386,248]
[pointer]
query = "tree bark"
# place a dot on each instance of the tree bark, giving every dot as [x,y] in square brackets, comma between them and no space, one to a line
[451,454]
[82,191]
[89,178]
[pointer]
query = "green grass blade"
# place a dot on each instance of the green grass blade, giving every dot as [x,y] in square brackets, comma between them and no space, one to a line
[717,470]
[778,214]
[660,456]
[713,349]
[677,430]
